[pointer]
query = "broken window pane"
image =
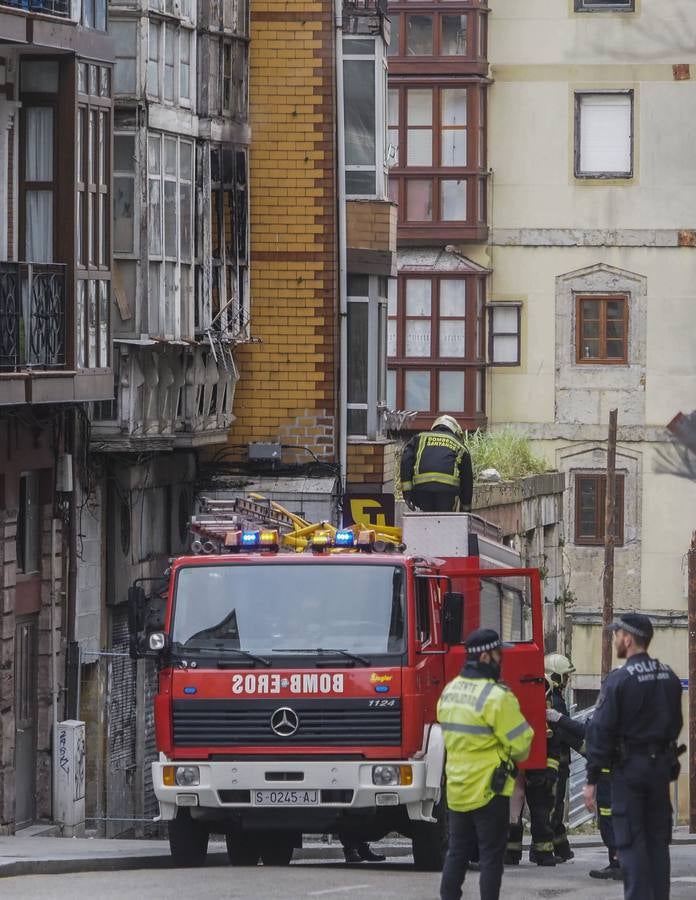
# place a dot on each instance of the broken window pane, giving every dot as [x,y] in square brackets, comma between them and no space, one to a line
[170,225]
[185,212]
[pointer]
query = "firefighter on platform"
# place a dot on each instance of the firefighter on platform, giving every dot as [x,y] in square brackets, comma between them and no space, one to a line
[485,736]
[436,474]
[634,731]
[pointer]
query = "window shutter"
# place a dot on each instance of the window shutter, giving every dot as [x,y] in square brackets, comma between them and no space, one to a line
[605,133]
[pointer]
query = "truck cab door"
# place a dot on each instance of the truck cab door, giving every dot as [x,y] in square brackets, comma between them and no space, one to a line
[429,650]
[509,601]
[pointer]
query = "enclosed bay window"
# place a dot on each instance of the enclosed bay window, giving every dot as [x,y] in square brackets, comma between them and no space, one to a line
[124,34]
[228,306]
[169,62]
[604,134]
[438,158]
[170,166]
[438,35]
[367,354]
[436,346]
[364,89]
[93,216]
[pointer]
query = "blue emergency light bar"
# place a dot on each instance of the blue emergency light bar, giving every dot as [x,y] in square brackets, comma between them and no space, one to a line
[345,538]
[250,538]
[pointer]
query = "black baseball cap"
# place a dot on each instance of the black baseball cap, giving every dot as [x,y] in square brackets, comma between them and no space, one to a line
[636,624]
[484,640]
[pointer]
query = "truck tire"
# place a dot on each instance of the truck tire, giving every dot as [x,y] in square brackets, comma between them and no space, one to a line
[429,841]
[242,850]
[277,849]
[188,840]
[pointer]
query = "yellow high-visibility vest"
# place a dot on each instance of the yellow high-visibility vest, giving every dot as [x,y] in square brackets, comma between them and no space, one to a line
[482,726]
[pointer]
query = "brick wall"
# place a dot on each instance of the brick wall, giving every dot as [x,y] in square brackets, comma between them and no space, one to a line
[371,463]
[371,225]
[287,381]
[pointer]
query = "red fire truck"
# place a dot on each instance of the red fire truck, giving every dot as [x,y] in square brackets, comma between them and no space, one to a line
[298,690]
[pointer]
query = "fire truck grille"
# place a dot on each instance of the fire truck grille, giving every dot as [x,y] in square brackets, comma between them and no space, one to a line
[277,723]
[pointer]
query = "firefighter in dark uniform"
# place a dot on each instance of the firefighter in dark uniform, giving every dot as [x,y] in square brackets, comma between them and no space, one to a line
[571,734]
[539,787]
[436,474]
[634,732]
[566,735]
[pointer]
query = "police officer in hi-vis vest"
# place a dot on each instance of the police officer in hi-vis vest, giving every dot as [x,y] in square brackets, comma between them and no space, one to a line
[485,736]
[436,474]
[634,732]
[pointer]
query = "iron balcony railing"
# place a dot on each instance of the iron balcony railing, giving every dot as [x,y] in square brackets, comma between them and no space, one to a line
[50,7]
[32,316]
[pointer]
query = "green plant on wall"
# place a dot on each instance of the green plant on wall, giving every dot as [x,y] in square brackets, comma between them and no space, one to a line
[505,451]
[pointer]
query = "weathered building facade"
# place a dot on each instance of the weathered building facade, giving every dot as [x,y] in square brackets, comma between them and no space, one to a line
[590,128]
[56,87]
[181,307]
[312,386]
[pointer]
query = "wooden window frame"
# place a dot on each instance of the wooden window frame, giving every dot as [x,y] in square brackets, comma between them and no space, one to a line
[473,174]
[579,173]
[597,538]
[472,364]
[614,6]
[492,334]
[601,360]
[474,59]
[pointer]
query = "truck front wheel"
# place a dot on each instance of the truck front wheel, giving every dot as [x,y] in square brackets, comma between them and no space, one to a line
[242,850]
[429,841]
[188,840]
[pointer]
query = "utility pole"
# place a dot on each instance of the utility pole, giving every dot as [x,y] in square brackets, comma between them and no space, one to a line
[609,536]
[692,683]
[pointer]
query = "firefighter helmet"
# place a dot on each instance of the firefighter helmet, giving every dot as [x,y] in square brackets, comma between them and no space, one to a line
[557,667]
[451,424]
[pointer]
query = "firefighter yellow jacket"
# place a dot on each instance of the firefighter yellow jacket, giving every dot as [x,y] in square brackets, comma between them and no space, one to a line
[483,726]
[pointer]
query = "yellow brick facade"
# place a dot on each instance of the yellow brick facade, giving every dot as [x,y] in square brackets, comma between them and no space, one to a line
[287,386]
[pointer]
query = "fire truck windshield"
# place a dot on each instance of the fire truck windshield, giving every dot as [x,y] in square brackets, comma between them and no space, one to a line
[271,609]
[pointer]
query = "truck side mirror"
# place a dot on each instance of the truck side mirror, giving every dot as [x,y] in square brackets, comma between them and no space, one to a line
[136,615]
[452,618]
[136,609]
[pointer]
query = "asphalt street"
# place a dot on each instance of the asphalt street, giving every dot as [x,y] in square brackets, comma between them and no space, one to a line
[303,880]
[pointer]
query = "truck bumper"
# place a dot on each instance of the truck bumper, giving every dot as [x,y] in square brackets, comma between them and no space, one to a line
[229,788]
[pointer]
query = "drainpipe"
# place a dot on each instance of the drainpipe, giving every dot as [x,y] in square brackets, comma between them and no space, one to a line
[54,661]
[342,253]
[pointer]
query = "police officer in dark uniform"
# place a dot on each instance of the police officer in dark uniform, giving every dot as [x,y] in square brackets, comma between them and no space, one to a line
[436,474]
[634,732]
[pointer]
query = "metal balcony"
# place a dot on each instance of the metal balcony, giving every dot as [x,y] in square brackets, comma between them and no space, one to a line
[49,7]
[32,316]
[374,7]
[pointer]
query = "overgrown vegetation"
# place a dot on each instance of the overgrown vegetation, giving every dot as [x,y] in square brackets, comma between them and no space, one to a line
[506,451]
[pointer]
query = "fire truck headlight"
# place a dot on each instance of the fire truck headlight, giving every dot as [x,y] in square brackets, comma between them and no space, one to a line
[383,775]
[156,641]
[187,776]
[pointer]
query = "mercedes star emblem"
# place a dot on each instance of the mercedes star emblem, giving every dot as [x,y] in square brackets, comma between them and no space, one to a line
[285,722]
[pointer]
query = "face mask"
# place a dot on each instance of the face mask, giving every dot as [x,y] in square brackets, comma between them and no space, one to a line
[495,669]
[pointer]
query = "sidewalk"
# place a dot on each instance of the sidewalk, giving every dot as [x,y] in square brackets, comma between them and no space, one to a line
[34,852]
